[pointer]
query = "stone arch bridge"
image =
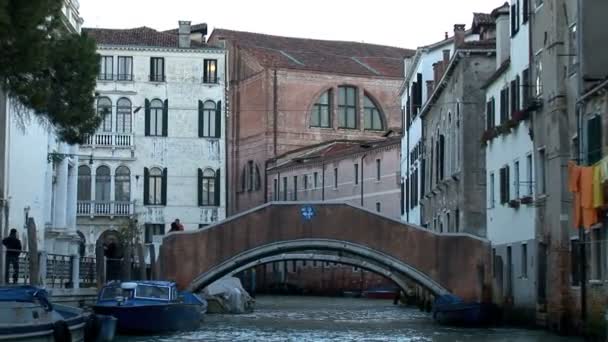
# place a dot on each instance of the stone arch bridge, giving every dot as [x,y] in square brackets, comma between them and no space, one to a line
[441,263]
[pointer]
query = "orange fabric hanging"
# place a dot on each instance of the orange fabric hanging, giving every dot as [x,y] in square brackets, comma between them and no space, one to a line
[598,193]
[574,175]
[586,186]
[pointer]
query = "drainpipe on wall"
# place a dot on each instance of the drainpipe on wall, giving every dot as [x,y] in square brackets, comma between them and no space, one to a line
[579,106]
[362,178]
[266,181]
[275,112]
[323,182]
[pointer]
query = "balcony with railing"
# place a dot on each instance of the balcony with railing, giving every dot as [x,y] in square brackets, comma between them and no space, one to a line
[104,209]
[109,140]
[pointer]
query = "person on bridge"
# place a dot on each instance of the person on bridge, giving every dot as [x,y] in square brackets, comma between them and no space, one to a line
[176,226]
[13,246]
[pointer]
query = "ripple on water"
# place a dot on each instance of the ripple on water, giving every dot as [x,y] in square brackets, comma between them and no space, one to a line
[314,319]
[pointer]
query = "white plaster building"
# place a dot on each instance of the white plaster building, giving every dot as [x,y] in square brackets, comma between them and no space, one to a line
[37,172]
[418,85]
[509,161]
[160,153]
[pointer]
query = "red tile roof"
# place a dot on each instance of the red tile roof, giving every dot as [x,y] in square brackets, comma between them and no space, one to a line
[336,149]
[139,36]
[319,55]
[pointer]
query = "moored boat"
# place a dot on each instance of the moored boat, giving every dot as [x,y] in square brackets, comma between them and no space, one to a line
[150,307]
[451,310]
[381,293]
[26,315]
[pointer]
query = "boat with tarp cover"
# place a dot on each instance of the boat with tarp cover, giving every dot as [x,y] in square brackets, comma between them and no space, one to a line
[150,307]
[26,315]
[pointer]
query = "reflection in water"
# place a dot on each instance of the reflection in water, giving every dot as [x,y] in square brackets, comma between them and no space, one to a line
[340,319]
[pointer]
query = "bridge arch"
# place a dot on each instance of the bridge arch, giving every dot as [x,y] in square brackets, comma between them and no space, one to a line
[458,262]
[398,279]
[367,258]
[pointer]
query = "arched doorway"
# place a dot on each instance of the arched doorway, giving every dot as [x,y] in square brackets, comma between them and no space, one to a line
[111,247]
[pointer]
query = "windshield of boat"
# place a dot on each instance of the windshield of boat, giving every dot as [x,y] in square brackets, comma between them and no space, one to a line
[111,292]
[152,292]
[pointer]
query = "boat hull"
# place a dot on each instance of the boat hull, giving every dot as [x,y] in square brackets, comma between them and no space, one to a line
[74,319]
[380,294]
[153,318]
[464,314]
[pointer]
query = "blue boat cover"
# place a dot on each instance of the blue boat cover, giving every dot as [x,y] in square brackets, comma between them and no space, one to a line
[447,299]
[27,294]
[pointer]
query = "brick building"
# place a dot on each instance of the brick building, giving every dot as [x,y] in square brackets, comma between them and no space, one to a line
[288,93]
[362,173]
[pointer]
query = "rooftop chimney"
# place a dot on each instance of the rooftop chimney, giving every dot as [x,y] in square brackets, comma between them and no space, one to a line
[503,35]
[430,86]
[446,58]
[458,35]
[184,34]
[446,35]
[437,72]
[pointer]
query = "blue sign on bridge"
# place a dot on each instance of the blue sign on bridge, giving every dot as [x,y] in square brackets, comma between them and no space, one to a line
[307,212]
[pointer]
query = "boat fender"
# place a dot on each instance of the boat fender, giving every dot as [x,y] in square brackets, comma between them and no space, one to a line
[61,332]
[91,329]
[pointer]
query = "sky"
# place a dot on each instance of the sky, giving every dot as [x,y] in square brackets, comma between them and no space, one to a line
[402,23]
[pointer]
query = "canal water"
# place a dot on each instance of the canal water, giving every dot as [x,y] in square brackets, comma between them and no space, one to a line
[315,319]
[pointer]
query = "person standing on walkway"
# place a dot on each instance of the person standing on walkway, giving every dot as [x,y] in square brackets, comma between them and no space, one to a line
[13,246]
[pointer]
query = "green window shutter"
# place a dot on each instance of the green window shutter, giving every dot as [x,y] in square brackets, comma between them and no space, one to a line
[200,187]
[205,66]
[165,118]
[147,117]
[507,184]
[164,188]
[216,191]
[146,186]
[200,120]
[594,140]
[218,120]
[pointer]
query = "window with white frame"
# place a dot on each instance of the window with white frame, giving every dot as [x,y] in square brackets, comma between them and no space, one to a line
[123,115]
[122,184]
[104,109]
[155,181]
[125,68]
[156,118]
[106,68]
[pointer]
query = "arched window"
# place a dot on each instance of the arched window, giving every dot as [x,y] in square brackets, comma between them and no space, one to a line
[104,109]
[102,184]
[123,115]
[156,186]
[209,116]
[156,117]
[122,184]
[320,116]
[84,183]
[347,107]
[372,118]
[208,188]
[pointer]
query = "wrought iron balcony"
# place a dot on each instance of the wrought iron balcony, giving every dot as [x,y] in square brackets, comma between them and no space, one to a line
[110,140]
[104,209]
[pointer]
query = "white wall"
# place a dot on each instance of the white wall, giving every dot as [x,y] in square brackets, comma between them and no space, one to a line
[505,224]
[182,152]
[34,182]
